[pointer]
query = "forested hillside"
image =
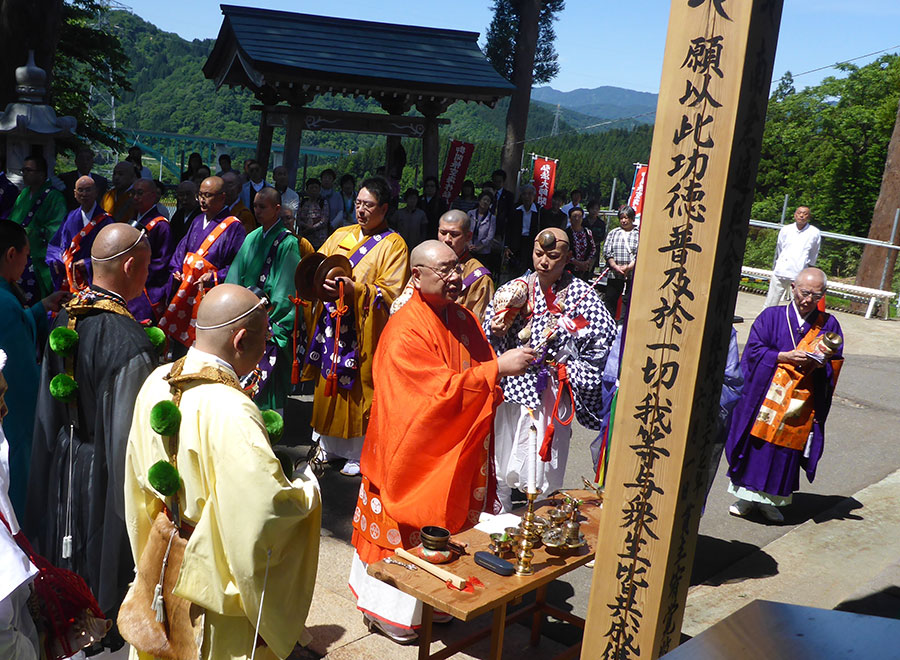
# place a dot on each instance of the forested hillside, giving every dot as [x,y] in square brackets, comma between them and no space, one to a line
[169,93]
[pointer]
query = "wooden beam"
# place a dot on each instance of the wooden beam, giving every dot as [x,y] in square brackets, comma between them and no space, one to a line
[430,148]
[264,142]
[315,119]
[717,72]
[292,136]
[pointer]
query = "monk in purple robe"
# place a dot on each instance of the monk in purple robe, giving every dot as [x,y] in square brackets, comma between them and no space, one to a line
[90,218]
[150,304]
[790,367]
[197,261]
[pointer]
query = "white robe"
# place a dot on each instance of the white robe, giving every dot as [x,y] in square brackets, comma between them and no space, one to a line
[18,636]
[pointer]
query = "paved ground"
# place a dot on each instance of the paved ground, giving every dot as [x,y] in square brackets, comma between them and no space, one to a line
[838,546]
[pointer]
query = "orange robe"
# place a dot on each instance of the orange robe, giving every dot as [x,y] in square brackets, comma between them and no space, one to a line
[119,205]
[427,453]
[382,272]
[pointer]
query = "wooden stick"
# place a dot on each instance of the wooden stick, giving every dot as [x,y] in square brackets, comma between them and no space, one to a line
[436,571]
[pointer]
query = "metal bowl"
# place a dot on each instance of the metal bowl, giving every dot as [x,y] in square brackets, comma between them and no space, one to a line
[434,537]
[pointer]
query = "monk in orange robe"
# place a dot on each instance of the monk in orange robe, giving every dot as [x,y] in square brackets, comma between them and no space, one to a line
[427,455]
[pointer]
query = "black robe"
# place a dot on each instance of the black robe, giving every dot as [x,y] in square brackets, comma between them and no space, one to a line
[114,356]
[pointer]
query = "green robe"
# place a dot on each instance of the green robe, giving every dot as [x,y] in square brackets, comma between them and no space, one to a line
[41,229]
[245,270]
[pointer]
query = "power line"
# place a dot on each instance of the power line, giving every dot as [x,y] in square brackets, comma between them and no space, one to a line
[836,64]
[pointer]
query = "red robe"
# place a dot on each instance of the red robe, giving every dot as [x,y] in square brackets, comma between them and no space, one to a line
[428,451]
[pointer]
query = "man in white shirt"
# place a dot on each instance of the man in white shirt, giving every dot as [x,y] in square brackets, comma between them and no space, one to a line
[289,197]
[522,229]
[797,248]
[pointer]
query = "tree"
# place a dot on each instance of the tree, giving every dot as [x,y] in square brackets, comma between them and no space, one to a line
[520,46]
[75,50]
[89,55]
[871,267]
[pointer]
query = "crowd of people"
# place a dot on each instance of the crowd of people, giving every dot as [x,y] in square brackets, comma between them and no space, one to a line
[443,344]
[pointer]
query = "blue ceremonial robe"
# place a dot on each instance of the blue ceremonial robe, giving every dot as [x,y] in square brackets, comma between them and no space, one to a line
[20,333]
[763,466]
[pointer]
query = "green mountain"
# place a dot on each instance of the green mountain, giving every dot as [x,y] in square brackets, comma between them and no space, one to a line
[170,94]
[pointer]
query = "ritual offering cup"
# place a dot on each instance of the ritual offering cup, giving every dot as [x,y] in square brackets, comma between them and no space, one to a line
[501,543]
[434,537]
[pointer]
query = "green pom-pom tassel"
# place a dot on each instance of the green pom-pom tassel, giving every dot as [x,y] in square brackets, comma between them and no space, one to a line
[63,341]
[274,425]
[164,478]
[165,418]
[63,388]
[157,337]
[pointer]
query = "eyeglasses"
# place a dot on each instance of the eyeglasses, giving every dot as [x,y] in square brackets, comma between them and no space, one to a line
[365,205]
[445,273]
[803,293]
[208,195]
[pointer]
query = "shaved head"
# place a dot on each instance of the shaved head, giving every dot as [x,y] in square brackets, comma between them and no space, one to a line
[457,217]
[85,192]
[145,194]
[436,273]
[559,237]
[811,276]
[115,239]
[429,253]
[120,259]
[236,325]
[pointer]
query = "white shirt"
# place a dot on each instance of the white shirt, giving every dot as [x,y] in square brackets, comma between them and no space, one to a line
[526,217]
[86,217]
[795,250]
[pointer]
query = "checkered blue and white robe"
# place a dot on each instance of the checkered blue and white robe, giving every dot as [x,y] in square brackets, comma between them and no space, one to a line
[584,353]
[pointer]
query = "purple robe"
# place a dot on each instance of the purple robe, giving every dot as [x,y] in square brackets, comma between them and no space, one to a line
[220,255]
[756,464]
[62,239]
[160,237]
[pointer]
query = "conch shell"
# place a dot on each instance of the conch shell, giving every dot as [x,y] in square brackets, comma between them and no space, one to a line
[509,300]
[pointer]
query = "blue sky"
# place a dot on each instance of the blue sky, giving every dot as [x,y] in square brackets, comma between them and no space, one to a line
[600,42]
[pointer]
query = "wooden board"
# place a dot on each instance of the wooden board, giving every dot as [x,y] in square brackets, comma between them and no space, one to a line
[497,588]
[717,70]
[779,631]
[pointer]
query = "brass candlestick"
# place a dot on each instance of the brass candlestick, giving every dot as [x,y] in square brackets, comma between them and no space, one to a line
[524,555]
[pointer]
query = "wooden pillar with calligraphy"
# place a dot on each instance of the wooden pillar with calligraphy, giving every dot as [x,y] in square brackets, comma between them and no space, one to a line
[713,96]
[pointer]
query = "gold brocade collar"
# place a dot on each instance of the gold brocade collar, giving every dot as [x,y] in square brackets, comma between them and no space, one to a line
[91,299]
[208,374]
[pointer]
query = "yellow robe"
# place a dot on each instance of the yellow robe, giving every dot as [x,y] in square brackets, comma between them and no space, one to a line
[386,267]
[477,296]
[243,506]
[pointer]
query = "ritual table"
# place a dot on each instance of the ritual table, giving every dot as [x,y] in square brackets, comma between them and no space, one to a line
[498,591]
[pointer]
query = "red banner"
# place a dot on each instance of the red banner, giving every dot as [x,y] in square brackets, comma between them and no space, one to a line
[458,157]
[544,180]
[638,190]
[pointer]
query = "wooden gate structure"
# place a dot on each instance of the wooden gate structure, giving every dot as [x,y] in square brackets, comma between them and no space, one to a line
[288,59]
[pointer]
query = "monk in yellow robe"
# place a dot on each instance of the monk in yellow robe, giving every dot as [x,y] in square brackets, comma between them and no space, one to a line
[255,539]
[380,261]
[117,201]
[428,451]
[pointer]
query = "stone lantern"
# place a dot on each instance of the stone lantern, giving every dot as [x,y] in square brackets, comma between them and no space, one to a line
[30,126]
